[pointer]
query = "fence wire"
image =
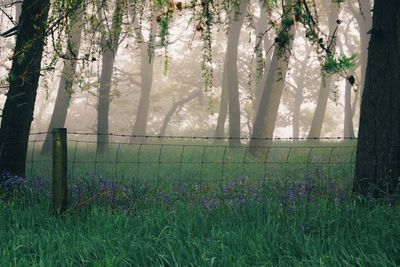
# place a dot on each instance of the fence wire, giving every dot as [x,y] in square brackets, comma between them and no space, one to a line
[204,164]
[157,160]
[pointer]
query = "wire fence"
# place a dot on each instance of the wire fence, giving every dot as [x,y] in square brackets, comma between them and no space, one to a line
[172,161]
[174,158]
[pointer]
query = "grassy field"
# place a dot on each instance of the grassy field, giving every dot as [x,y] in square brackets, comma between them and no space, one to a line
[197,205]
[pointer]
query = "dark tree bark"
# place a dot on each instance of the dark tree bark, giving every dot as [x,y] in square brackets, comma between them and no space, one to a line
[377,169]
[23,78]
[109,49]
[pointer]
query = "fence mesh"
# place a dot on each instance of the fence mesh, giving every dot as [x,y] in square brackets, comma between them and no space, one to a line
[157,160]
[208,166]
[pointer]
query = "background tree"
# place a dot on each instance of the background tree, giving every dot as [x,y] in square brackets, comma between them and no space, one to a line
[326,79]
[230,84]
[146,74]
[109,46]
[264,41]
[361,10]
[269,103]
[377,169]
[68,73]
[301,81]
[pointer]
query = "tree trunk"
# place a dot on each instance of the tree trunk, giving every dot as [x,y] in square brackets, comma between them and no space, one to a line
[269,103]
[18,10]
[65,89]
[364,20]
[266,44]
[109,49]
[232,83]
[223,109]
[24,76]
[348,130]
[377,169]
[298,100]
[323,96]
[146,73]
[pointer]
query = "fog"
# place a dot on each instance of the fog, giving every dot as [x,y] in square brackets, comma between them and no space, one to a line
[180,103]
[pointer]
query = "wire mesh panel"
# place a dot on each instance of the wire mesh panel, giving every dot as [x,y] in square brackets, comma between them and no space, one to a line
[172,161]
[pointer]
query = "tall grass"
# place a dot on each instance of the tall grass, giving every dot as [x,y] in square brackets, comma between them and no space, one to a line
[262,234]
[189,214]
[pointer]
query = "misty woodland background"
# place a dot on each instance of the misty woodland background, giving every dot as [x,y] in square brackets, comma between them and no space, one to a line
[159,89]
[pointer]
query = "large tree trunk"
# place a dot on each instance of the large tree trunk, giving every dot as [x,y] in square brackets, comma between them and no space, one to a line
[323,96]
[230,81]
[24,76]
[109,49]
[377,169]
[146,74]
[65,89]
[269,103]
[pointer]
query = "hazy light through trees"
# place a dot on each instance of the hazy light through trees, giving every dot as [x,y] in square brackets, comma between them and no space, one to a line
[183,76]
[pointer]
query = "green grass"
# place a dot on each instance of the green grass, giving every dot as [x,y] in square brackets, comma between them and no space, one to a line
[190,206]
[263,234]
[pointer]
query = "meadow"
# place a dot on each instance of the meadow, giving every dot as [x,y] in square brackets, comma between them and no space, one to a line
[199,204]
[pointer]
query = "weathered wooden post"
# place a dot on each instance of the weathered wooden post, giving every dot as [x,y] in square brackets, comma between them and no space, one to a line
[59,154]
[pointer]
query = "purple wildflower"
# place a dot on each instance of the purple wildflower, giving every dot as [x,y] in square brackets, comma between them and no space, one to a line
[12,181]
[211,204]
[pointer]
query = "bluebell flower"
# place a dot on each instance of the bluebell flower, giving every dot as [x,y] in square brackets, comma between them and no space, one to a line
[211,204]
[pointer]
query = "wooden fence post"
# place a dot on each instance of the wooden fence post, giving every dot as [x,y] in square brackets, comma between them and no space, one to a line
[60,196]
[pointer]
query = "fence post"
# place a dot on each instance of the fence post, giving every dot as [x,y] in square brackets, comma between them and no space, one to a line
[59,155]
